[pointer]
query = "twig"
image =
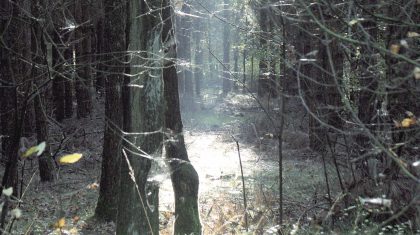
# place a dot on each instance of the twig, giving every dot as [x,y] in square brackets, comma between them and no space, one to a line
[243,183]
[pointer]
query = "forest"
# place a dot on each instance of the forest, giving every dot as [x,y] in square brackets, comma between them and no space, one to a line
[209,117]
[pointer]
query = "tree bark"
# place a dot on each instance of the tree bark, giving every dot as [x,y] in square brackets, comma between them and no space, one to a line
[83,59]
[8,101]
[143,119]
[184,177]
[114,47]
[14,71]
[39,72]
[100,66]
[62,61]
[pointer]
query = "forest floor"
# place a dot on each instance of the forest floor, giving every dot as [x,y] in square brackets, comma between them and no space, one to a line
[212,150]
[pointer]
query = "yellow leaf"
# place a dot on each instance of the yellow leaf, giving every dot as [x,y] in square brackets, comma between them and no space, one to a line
[30,151]
[39,149]
[60,223]
[413,34]
[407,122]
[395,48]
[71,158]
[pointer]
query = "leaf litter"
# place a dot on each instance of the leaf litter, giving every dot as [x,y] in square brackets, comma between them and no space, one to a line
[67,205]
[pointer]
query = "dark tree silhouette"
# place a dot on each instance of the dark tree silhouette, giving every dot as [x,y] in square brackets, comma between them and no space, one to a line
[113,49]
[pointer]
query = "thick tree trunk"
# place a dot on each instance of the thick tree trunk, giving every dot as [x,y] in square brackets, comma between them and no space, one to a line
[184,177]
[8,101]
[143,112]
[114,47]
[14,71]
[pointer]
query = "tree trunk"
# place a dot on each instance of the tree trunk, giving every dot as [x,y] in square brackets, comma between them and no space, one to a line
[198,65]
[212,68]
[263,78]
[311,90]
[8,101]
[143,112]
[227,84]
[100,67]
[244,70]
[183,175]
[83,59]
[14,70]
[368,81]
[184,54]
[62,61]
[114,47]
[236,64]
[39,71]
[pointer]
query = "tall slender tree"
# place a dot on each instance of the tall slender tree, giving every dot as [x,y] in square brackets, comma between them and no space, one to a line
[114,47]
[39,74]
[184,29]
[226,82]
[62,37]
[83,58]
[263,64]
[184,177]
[199,55]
